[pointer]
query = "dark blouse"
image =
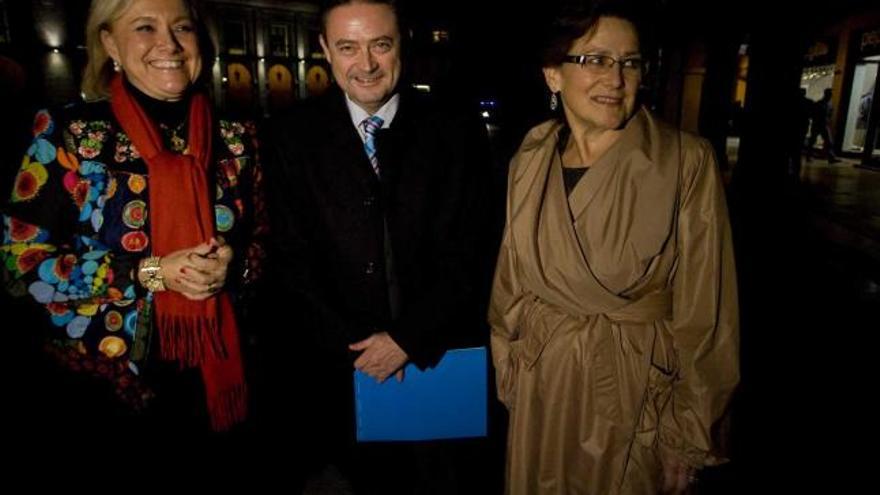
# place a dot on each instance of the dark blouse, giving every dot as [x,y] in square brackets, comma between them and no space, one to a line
[571,176]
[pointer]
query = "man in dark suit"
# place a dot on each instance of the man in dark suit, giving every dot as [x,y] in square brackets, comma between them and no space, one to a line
[382,245]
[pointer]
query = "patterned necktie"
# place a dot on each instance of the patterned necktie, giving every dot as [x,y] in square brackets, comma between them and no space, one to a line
[371,125]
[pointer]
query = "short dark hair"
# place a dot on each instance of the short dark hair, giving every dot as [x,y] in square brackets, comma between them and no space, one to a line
[329,5]
[573,21]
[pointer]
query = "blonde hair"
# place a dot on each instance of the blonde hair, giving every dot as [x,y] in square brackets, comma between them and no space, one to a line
[99,67]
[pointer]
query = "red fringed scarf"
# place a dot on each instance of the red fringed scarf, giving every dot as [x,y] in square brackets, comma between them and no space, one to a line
[194,333]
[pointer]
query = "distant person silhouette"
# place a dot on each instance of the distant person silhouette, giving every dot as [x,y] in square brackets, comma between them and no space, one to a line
[821,117]
[804,110]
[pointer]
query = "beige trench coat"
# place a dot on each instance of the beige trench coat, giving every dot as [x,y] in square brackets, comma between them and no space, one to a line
[614,313]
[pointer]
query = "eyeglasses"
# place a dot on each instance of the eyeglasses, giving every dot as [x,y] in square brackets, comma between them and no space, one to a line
[602,64]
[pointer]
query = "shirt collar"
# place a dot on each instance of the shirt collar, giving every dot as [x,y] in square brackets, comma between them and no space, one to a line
[386,112]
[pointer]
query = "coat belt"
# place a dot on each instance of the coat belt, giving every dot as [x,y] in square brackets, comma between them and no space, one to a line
[545,319]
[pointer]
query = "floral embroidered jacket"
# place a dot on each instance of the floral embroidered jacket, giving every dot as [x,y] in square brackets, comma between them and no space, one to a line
[78,223]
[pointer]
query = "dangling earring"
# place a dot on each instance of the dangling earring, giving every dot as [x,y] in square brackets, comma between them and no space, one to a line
[116,66]
[554,102]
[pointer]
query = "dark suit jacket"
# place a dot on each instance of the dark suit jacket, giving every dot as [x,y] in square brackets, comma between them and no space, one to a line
[330,212]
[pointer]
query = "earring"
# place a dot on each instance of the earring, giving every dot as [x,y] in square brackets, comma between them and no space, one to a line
[116,66]
[554,101]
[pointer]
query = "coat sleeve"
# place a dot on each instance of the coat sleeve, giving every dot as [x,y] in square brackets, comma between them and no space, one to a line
[705,327]
[291,273]
[44,252]
[505,316]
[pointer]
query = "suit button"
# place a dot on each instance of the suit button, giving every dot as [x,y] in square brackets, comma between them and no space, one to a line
[369,201]
[370,269]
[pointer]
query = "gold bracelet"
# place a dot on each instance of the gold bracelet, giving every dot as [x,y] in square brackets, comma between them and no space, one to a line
[150,274]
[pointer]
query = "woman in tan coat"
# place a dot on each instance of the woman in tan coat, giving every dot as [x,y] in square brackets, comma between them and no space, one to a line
[614,309]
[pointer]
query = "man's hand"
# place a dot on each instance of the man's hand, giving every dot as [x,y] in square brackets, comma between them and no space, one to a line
[381,357]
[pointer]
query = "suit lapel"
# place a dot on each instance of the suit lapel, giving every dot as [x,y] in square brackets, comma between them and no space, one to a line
[345,155]
[393,147]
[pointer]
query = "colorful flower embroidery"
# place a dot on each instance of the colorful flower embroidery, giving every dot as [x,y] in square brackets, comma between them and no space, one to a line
[64,266]
[22,232]
[232,132]
[80,193]
[67,160]
[113,321]
[112,347]
[91,139]
[31,177]
[124,151]
[76,127]
[137,183]
[224,218]
[29,259]
[43,125]
[41,149]
[89,148]
[111,188]
[134,215]
[135,242]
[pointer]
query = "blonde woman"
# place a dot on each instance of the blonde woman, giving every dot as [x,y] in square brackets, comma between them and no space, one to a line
[134,220]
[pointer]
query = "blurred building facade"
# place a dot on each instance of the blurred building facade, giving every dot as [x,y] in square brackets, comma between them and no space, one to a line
[267,56]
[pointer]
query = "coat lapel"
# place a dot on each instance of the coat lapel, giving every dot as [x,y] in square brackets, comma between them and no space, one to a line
[542,228]
[565,263]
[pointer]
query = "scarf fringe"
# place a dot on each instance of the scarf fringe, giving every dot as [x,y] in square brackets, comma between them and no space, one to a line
[190,340]
[228,407]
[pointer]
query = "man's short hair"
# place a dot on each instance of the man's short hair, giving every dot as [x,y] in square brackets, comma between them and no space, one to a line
[332,4]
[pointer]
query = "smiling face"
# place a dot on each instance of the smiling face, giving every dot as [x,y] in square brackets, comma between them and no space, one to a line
[156,43]
[598,102]
[362,44]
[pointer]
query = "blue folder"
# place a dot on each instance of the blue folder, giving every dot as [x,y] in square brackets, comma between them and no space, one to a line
[446,401]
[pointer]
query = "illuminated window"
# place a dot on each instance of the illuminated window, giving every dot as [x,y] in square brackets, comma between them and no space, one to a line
[440,35]
[279,40]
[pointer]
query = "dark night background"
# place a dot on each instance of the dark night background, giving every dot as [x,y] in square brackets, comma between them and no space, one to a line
[801,419]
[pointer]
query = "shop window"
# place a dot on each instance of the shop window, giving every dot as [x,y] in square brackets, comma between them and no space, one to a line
[860,101]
